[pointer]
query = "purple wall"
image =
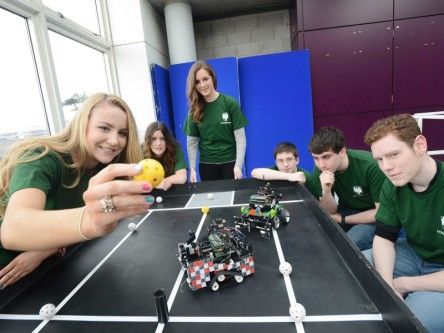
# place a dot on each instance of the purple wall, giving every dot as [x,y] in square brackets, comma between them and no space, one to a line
[372,59]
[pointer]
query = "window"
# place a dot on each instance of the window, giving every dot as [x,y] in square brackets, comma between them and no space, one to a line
[80,71]
[83,12]
[22,111]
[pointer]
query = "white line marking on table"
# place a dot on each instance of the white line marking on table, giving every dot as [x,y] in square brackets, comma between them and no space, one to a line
[215,206]
[90,274]
[232,198]
[189,200]
[182,319]
[288,285]
[180,277]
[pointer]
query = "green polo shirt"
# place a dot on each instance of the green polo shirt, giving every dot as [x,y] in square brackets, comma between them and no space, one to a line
[358,187]
[216,131]
[421,214]
[180,159]
[48,174]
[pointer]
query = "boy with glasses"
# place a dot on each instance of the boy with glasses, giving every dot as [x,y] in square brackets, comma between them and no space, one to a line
[354,176]
[286,157]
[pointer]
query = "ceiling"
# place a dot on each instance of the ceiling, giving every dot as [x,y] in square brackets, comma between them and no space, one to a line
[205,10]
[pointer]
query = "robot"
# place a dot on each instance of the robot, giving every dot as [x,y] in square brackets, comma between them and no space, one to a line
[221,257]
[264,212]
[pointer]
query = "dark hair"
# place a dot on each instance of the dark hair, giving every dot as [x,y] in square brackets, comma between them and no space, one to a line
[285,147]
[326,139]
[196,101]
[403,126]
[168,158]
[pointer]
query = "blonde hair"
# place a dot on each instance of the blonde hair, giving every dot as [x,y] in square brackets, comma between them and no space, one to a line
[71,141]
[196,101]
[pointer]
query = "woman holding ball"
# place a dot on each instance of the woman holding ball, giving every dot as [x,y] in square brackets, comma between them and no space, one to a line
[69,187]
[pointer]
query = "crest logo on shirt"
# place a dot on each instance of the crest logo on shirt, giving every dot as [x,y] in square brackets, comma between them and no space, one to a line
[358,190]
[225,116]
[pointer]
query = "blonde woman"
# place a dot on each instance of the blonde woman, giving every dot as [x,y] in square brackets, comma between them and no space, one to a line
[215,124]
[70,187]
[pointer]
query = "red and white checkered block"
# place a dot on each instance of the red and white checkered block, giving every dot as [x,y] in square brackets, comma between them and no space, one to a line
[199,273]
[227,267]
[247,266]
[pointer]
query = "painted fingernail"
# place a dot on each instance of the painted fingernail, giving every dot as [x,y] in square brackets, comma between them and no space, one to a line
[137,167]
[149,199]
[146,187]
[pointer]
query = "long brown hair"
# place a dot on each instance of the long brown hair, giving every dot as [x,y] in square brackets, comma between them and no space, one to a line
[196,101]
[71,141]
[168,158]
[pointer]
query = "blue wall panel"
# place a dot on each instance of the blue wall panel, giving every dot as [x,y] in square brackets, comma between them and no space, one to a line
[276,99]
[162,96]
[227,82]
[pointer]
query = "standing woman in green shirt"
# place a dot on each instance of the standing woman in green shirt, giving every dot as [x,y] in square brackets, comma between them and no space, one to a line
[69,187]
[215,124]
[160,144]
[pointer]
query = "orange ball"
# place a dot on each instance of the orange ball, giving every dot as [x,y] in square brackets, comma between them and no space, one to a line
[152,172]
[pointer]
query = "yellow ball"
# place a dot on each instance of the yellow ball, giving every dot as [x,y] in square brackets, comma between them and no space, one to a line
[152,172]
[205,209]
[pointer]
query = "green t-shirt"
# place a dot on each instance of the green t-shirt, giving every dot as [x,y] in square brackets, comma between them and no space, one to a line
[180,160]
[216,130]
[421,214]
[359,186]
[48,174]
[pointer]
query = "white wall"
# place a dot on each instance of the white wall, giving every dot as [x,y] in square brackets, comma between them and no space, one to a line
[139,39]
[243,35]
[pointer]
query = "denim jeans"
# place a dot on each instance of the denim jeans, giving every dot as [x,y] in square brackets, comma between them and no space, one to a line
[360,234]
[426,305]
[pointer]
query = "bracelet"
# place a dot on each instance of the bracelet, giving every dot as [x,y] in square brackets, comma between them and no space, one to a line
[79,224]
[343,222]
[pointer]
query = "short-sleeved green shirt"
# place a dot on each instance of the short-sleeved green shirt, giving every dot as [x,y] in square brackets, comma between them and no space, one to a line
[359,186]
[216,130]
[48,174]
[180,159]
[421,214]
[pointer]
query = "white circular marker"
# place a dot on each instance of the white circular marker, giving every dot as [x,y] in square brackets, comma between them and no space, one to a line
[210,196]
[297,312]
[285,268]
[47,311]
[131,226]
[159,199]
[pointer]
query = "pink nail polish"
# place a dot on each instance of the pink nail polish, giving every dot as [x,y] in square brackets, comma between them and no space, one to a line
[146,187]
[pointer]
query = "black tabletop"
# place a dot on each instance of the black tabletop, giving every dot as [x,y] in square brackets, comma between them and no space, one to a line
[107,285]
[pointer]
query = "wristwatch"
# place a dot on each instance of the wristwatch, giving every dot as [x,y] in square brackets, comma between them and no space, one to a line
[343,220]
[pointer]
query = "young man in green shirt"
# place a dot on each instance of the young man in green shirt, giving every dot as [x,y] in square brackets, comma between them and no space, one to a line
[286,157]
[354,177]
[412,198]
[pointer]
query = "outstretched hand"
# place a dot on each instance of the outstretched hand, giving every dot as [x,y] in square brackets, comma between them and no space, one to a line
[22,265]
[125,198]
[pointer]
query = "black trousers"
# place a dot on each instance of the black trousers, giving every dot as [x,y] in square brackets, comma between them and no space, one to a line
[216,171]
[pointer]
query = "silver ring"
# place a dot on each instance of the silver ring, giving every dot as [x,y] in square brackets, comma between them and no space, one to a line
[106,204]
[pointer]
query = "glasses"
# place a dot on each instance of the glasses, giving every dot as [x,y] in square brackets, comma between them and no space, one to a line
[287,160]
